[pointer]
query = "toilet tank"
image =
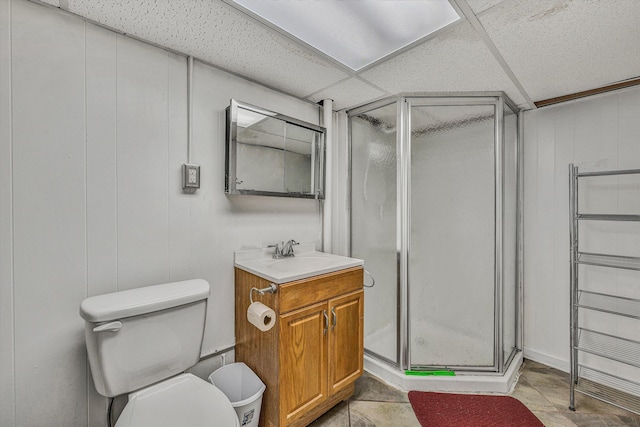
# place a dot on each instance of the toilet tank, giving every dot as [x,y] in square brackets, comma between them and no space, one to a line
[141,336]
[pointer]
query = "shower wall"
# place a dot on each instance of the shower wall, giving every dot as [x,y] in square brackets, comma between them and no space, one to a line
[434,197]
[451,280]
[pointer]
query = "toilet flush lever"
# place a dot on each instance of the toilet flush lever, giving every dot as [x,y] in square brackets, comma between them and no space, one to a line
[109,327]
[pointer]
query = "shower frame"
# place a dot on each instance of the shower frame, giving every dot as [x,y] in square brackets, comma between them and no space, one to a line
[404,102]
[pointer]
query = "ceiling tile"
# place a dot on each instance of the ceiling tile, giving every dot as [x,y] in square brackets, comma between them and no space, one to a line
[454,61]
[216,33]
[559,47]
[348,93]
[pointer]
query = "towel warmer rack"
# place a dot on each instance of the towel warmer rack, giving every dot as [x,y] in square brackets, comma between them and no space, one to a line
[600,383]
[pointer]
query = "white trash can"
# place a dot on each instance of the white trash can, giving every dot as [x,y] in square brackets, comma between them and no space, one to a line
[243,388]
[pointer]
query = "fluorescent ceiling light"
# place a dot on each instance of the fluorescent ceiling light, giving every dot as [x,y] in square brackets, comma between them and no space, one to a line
[355,32]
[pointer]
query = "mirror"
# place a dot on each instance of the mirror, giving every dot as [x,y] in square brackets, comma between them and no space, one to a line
[270,154]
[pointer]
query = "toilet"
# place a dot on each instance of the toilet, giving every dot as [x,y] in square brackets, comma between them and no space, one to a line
[140,342]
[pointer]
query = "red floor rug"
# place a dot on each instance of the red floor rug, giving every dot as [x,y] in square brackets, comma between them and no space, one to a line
[472,410]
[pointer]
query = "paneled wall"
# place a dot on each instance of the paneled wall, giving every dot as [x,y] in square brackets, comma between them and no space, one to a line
[93,136]
[7,397]
[595,133]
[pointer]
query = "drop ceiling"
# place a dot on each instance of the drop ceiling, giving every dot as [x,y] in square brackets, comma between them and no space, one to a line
[531,50]
[355,33]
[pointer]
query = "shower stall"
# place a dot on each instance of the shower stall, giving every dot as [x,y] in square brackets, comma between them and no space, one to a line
[435,215]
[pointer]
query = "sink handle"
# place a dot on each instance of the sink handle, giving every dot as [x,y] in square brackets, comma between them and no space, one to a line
[335,318]
[278,249]
[326,321]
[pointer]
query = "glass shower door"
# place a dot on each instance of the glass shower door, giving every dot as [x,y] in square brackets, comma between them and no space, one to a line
[374,223]
[452,239]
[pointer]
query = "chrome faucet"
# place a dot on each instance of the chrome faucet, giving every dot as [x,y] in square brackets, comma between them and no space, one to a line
[287,250]
[283,250]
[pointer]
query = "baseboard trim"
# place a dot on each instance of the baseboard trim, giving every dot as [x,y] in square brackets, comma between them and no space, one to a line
[546,359]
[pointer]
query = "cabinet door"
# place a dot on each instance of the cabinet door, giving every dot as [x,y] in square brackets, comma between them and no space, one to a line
[303,361]
[346,335]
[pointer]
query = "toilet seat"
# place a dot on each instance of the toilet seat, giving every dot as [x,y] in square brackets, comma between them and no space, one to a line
[184,400]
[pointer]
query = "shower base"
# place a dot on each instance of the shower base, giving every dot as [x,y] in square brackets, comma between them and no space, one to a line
[461,383]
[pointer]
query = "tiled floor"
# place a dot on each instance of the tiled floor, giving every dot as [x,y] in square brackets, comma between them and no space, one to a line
[544,390]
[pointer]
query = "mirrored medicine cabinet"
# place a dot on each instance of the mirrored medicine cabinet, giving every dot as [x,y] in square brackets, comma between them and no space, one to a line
[269,154]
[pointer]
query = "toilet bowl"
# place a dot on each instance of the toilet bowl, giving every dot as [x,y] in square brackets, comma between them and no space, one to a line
[140,342]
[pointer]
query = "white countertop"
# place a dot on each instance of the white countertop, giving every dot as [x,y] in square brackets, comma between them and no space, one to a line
[306,263]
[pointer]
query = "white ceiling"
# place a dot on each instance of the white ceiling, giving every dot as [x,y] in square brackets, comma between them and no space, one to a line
[530,49]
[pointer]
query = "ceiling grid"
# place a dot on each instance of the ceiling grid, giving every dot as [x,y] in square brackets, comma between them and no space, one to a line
[470,15]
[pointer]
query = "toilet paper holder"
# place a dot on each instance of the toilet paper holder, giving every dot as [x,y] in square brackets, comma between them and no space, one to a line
[272,289]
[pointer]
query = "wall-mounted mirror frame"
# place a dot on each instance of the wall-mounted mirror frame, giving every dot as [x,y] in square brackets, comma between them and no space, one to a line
[270,154]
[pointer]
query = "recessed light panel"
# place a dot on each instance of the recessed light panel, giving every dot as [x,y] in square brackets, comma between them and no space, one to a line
[355,32]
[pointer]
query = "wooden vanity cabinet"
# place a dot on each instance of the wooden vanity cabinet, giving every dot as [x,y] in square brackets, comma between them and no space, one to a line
[311,358]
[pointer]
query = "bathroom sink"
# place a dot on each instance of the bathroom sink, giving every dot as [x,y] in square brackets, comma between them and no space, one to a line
[307,262]
[310,262]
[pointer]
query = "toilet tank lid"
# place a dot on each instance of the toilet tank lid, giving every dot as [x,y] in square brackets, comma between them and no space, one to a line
[135,302]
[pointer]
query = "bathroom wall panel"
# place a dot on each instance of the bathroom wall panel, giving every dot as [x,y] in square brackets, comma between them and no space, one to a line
[530,231]
[102,244]
[629,131]
[341,186]
[50,277]
[599,132]
[559,299]
[180,231]
[142,156]
[209,251]
[213,90]
[596,146]
[629,157]
[7,399]
[598,143]
[543,232]
[596,132]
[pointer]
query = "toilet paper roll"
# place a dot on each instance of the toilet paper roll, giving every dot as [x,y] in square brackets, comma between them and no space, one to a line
[261,316]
